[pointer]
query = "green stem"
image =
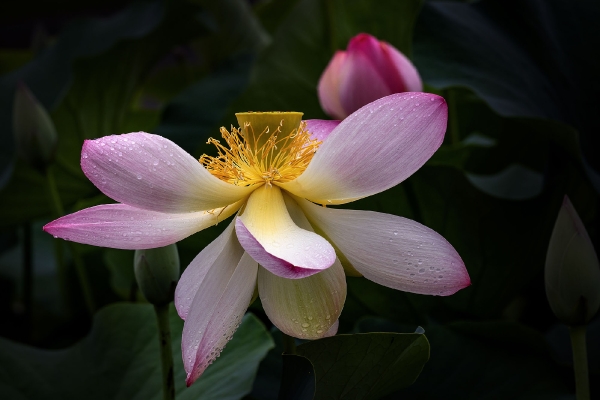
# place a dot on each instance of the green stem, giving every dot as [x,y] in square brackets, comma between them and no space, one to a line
[580,364]
[453,127]
[166,353]
[289,344]
[79,267]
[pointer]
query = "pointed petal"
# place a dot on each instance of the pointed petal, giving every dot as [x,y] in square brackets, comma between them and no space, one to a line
[221,253]
[216,313]
[320,128]
[374,149]
[304,308]
[120,226]
[153,173]
[329,87]
[393,251]
[266,231]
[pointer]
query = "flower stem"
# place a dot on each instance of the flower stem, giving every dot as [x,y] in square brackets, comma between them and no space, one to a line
[580,364]
[166,353]
[79,267]
[289,344]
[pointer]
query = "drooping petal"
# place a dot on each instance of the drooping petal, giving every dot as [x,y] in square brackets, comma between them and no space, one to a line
[153,173]
[308,307]
[361,81]
[374,149]
[304,308]
[320,128]
[121,226]
[266,231]
[393,251]
[328,87]
[221,253]
[215,313]
[404,72]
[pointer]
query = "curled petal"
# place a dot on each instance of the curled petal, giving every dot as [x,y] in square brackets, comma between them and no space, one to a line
[305,308]
[373,149]
[125,227]
[153,173]
[221,253]
[266,231]
[215,313]
[333,329]
[329,86]
[320,128]
[393,251]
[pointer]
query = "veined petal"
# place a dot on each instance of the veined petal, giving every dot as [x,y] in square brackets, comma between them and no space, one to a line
[215,314]
[361,82]
[121,226]
[221,253]
[329,86]
[153,173]
[320,128]
[393,251]
[373,149]
[266,231]
[304,308]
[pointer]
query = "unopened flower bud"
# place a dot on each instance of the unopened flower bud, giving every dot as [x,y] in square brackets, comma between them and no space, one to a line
[35,136]
[572,271]
[157,273]
[368,70]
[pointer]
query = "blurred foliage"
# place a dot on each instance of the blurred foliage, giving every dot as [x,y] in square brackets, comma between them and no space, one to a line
[522,133]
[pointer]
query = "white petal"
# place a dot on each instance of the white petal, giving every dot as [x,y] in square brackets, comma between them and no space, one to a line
[393,251]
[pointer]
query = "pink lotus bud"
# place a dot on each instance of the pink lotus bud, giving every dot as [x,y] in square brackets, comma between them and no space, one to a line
[368,70]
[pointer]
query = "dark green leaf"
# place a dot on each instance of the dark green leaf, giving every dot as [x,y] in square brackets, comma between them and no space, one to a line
[120,360]
[365,366]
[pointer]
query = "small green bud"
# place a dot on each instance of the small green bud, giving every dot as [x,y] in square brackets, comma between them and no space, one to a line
[572,271]
[157,273]
[35,136]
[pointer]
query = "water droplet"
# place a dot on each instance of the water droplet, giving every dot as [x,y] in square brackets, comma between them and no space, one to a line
[305,325]
[396,233]
[155,163]
[422,270]
[139,177]
[310,318]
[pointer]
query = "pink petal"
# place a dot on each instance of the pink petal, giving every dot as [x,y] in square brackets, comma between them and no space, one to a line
[374,149]
[320,128]
[333,329]
[329,87]
[153,173]
[221,253]
[125,227]
[215,313]
[361,82]
[266,231]
[400,73]
[393,251]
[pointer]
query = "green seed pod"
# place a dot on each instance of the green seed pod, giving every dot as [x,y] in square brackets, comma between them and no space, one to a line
[34,132]
[157,273]
[572,272]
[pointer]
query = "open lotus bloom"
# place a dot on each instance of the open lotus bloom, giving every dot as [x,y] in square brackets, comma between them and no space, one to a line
[277,175]
[366,71]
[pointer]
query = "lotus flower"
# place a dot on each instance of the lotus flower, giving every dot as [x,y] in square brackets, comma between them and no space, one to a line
[278,174]
[368,70]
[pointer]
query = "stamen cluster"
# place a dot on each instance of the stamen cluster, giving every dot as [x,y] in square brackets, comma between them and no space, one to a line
[250,161]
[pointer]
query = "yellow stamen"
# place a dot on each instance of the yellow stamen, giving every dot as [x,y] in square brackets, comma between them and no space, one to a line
[250,159]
